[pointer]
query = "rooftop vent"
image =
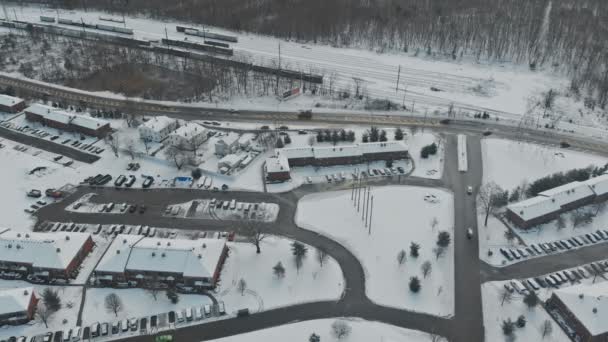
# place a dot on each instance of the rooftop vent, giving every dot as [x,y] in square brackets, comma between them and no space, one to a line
[18,235]
[162,255]
[25,292]
[204,245]
[10,245]
[58,249]
[67,237]
[169,243]
[27,235]
[158,243]
[18,246]
[580,296]
[124,241]
[118,251]
[594,310]
[153,254]
[200,256]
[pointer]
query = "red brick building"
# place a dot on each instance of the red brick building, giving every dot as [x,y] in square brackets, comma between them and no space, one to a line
[17,306]
[50,255]
[11,104]
[583,310]
[66,121]
[277,169]
[141,260]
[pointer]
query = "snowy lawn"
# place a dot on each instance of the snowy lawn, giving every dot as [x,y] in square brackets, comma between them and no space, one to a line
[264,290]
[361,331]
[64,318]
[509,163]
[401,216]
[494,314]
[136,303]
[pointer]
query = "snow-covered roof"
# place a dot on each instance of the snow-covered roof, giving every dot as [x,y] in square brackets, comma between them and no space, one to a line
[15,300]
[39,109]
[229,138]
[158,123]
[116,256]
[593,297]
[42,250]
[64,117]
[189,130]
[191,258]
[534,207]
[568,193]
[246,138]
[231,159]
[9,101]
[277,164]
[338,151]
[296,152]
[599,184]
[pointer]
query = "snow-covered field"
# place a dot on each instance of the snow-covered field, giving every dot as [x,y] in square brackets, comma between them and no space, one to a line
[471,86]
[509,162]
[400,216]
[494,314]
[64,318]
[361,331]
[136,303]
[264,290]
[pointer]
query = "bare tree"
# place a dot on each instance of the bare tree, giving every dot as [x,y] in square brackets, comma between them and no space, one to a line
[279,270]
[255,235]
[434,223]
[147,141]
[177,155]
[546,328]
[599,207]
[241,286]
[340,329]
[114,144]
[113,303]
[44,314]
[561,223]
[401,257]
[426,268]
[581,217]
[321,255]
[505,296]
[130,149]
[439,252]
[153,285]
[490,196]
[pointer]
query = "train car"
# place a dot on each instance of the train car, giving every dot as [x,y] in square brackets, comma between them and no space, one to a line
[180,28]
[116,29]
[47,19]
[65,21]
[197,46]
[223,37]
[124,30]
[211,42]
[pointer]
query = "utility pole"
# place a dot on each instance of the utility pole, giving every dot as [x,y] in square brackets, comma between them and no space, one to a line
[398,76]
[279,70]
[166,33]
[367,205]
[370,217]
[363,211]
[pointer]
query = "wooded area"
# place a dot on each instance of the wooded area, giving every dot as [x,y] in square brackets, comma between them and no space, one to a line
[568,35]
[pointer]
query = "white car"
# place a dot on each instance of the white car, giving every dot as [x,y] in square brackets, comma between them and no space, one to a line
[309,180]
[469,190]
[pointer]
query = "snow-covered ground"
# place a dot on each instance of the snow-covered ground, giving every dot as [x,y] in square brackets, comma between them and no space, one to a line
[361,331]
[494,314]
[471,86]
[136,303]
[264,290]
[401,215]
[64,318]
[508,163]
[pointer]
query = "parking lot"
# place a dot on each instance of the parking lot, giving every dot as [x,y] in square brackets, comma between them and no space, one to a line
[539,249]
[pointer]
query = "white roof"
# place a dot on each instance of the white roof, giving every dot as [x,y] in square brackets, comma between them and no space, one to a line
[39,109]
[594,297]
[15,300]
[158,123]
[192,258]
[342,150]
[64,117]
[189,130]
[534,207]
[116,256]
[599,184]
[232,159]
[568,193]
[246,137]
[277,164]
[229,138]
[9,101]
[43,250]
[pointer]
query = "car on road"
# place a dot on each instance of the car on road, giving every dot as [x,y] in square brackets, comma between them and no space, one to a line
[470,233]
[469,190]
[148,182]
[34,193]
[142,209]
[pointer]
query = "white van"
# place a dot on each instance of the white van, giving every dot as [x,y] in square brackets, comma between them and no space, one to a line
[124,325]
[233,204]
[175,210]
[95,330]
[207,310]
[201,182]
[189,315]
[198,313]
[179,317]
[66,334]
[76,334]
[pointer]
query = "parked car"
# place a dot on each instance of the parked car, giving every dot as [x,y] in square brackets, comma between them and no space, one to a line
[34,193]
[148,182]
[131,181]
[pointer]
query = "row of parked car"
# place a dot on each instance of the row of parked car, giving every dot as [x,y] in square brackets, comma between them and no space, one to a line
[83,146]
[512,254]
[62,227]
[342,176]
[116,229]
[556,279]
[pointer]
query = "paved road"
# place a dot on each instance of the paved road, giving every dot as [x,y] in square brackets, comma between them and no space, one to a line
[354,302]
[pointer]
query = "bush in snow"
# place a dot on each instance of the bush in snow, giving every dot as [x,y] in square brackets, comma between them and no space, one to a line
[172,296]
[443,239]
[521,321]
[340,329]
[414,284]
[279,270]
[508,327]
[414,250]
[51,299]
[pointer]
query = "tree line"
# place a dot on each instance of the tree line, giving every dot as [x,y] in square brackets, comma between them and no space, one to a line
[567,35]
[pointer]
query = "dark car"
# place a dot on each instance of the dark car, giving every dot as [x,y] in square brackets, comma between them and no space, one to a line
[142,209]
[132,208]
[148,182]
[34,193]
[130,182]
